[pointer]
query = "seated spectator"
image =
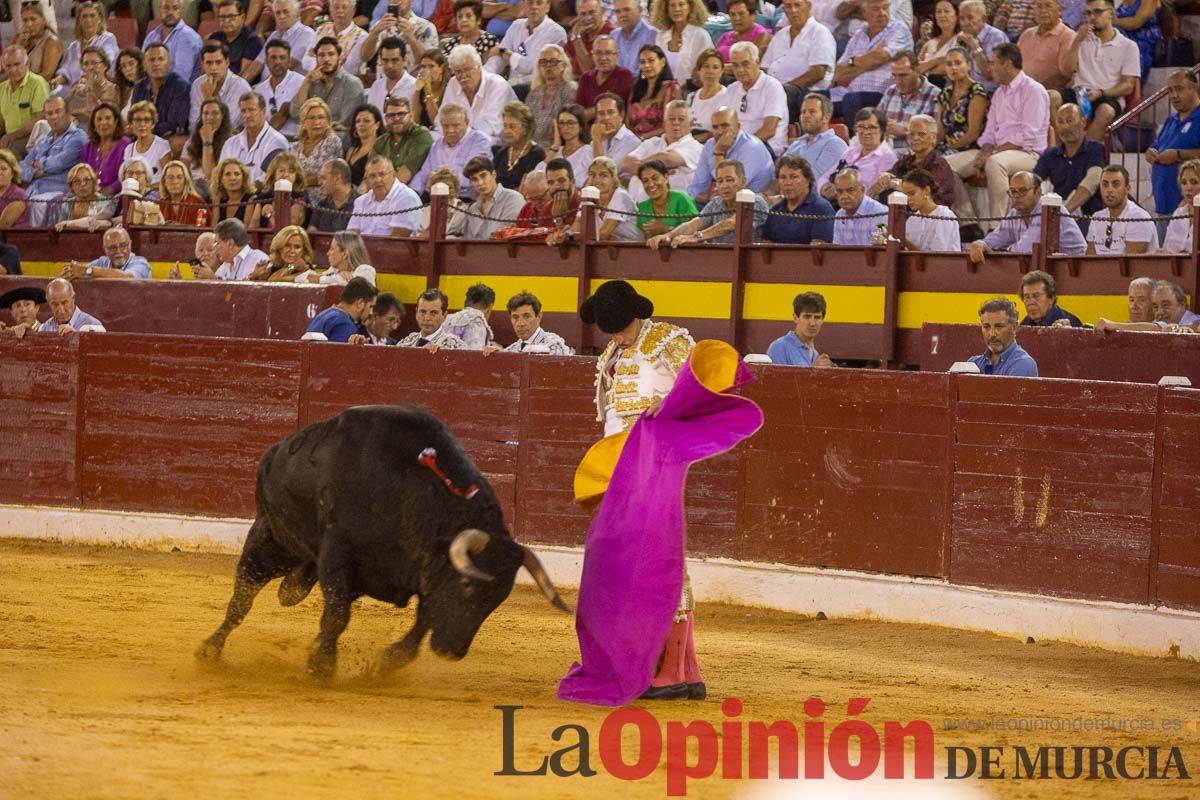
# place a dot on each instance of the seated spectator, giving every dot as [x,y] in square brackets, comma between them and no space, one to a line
[367,128]
[525,313]
[1178,240]
[203,149]
[339,88]
[1015,134]
[795,348]
[105,148]
[494,206]
[243,43]
[279,87]
[962,105]
[1141,302]
[348,38]
[91,89]
[535,190]
[681,34]
[468,16]
[872,156]
[704,102]
[1040,295]
[654,89]
[557,211]
[610,137]
[523,41]
[397,19]
[519,154]
[1073,165]
[572,141]
[745,28]
[470,325]
[862,72]
[553,87]
[284,167]
[14,210]
[386,315]
[90,33]
[206,261]
[82,206]
[317,141]
[616,213]
[484,93]
[858,217]
[46,165]
[178,199]
[1013,17]
[910,94]
[676,148]
[129,73]
[934,229]
[1103,77]
[1002,355]
[430,314]
[922,136]
[216,82]
[606,77]
[291,256]
[1122,227]
[394,82]
[718,218]
[798,186]
[238,258]
[760,99]
[146,144]
[290,32]
[39,40]
[730,142]
[257,143]
[339,322]
[25,302]
[232,191]
[65,316]
[179,37]
[450,178]
[664,207]
[431,87]
[817,144]
[980,40]
[1023,226]
[801,56]
[1169,309]
[347,255]
[632,31]
[389,208]
[118,260]
[22,99]
[589,24]
[458,144]
[332,212]
[1139,21]
[931,56]
[1044,45]
[1178,139]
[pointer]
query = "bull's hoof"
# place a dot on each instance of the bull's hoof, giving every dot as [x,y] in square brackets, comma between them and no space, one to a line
[209,650]
[393,658]
[297,584]
[321,666]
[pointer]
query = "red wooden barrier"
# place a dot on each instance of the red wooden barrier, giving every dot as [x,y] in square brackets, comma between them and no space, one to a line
[1177,504]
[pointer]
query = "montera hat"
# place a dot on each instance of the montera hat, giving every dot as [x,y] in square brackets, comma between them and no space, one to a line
[34,293]
[614,306]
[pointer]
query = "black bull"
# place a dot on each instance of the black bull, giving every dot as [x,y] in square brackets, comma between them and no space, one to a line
[360,503]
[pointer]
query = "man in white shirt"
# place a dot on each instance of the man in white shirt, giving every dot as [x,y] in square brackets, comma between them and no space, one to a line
[217,81]
[1122,227]
[1107,68]
[289,30]
[483,92]
[417,34]
[395,81]
[238,258]
[279,88]
[676,148]
[257,142]
[610,137]
[935,228]
[397,206]
[522,42]
[760,100]
[801,56]
[341,27]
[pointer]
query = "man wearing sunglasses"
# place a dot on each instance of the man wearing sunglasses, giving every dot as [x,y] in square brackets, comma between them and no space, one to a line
[1122,227]
[280,87]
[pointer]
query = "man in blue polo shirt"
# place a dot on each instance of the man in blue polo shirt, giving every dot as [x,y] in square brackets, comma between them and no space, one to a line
[1040,295]
[341,321]
[796,181]
[1002,356]
[795,348]
[1177,141]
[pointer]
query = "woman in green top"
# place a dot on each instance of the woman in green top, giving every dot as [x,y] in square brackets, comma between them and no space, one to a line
[667,208]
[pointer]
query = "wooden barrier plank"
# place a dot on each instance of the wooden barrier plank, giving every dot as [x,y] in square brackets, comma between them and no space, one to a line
[1178,577]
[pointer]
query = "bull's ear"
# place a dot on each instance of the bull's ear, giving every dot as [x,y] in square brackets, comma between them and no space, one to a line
[467,542]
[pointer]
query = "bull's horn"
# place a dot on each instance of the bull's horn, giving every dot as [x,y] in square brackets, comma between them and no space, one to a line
[538,572]
[471,540]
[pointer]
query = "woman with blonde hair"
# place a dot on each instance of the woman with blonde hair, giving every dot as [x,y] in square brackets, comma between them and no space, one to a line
[681,33]
[1178,240]
[177,196]
[616,213]
[39,40]
[291,254]
[283,167]
[347,258]
[553,87]
[90,32]
[14,211]
[316,142]
[82,206]
[232,191]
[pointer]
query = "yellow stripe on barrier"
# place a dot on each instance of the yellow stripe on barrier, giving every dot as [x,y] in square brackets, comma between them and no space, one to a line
[848,304]
[1090,307]
[406,287]
[687,299]
[917,308]
[558,294]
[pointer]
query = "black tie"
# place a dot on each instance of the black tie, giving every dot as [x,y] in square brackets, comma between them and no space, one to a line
[422,342]
[523,343]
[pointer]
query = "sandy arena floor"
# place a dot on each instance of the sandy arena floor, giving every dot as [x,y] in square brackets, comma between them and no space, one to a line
[100,695]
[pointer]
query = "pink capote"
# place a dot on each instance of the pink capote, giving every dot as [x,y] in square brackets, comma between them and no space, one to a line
[633,559]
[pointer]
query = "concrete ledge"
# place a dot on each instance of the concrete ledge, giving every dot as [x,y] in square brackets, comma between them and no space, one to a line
[1143,630]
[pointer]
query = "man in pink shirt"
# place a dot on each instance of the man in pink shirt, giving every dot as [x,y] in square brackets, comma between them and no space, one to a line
[1014,136]
[1044,45]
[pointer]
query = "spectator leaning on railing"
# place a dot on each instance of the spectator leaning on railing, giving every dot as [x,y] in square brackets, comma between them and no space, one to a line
[1002,355]
[339,323]
[1169,308]
[1023,225]
[1039,293]
[65,316]
[1122,227]
[118,260]
[718,218]
[796,348]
